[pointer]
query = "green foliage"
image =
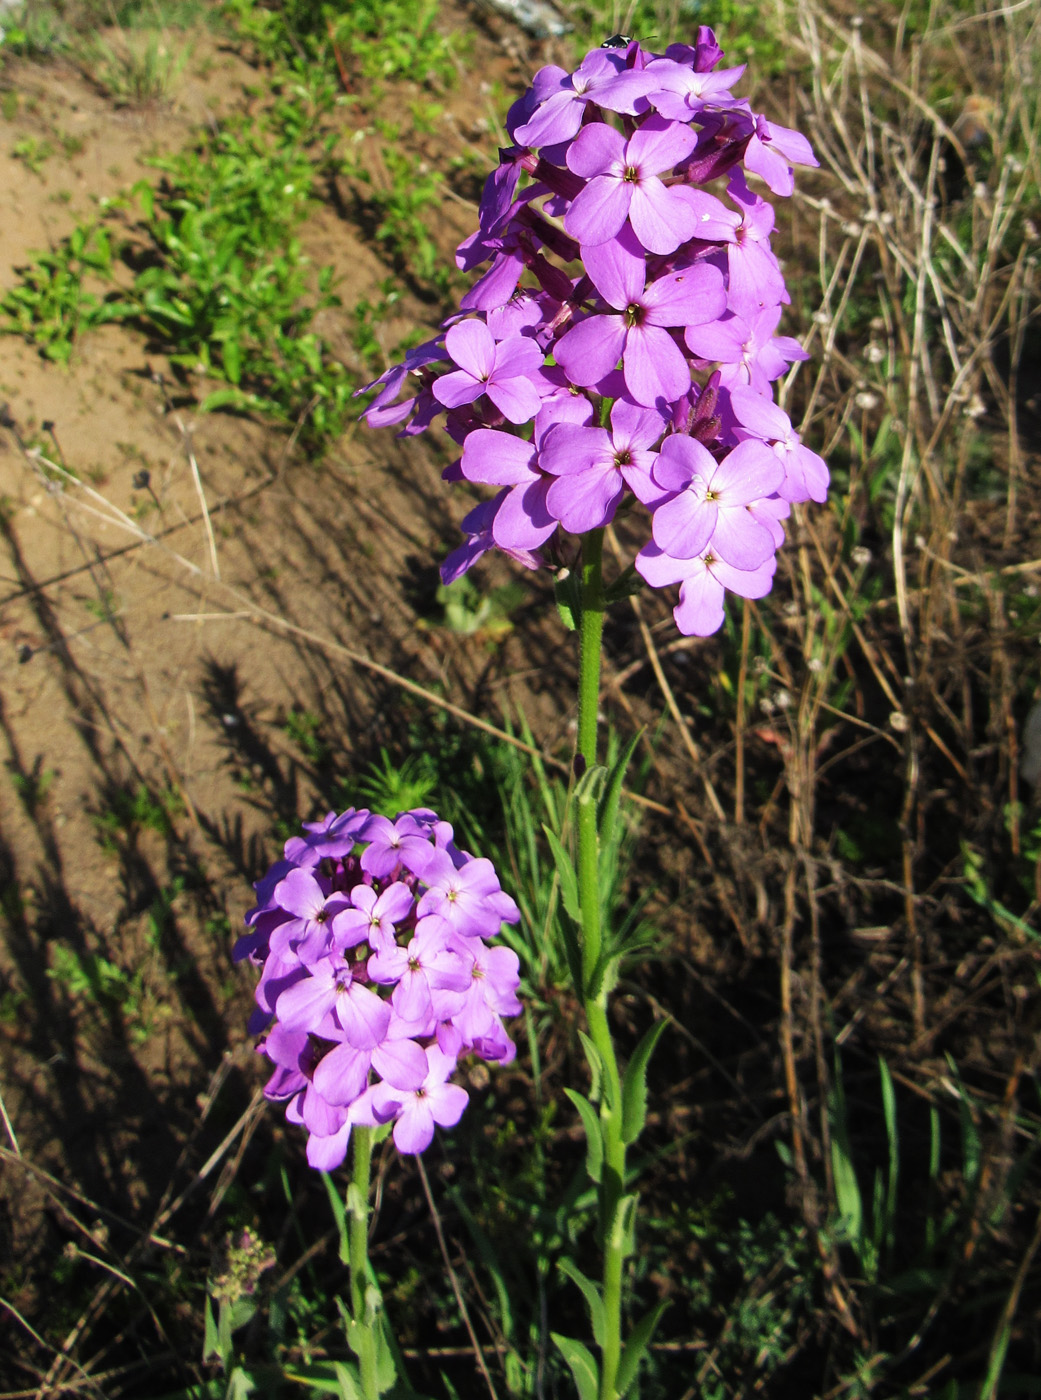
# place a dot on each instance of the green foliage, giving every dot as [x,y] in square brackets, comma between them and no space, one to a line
[473,611]
[302,727]
[52,306]
[134,73]
[401,198]
[380,39]
[389,788]
[126,813]
[220,282]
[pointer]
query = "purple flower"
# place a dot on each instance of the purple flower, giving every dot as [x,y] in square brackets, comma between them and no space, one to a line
[602,78]
[390,1007]
[311,932]
[745,347]
[503,371]
[672,281]
[702,582]
[594,467]
[434,1101]
[805,473]
[478,526]
[653,364]
[624,184]
[770,150]
[709,507]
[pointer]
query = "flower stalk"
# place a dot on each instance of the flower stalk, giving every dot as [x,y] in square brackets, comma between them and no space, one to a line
[363,1332]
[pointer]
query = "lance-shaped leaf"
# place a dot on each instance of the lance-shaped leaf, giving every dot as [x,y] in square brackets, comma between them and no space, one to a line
[607,814]
[594,1139]
[591,1292]
[636,1347]
[583,1367]
[634,1085]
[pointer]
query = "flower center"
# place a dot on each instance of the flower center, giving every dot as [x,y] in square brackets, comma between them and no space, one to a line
[631,175]
[633,314]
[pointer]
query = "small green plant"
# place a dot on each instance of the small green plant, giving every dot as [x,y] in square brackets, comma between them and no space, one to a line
[390,788]
[302,727]
[33,787]
[471,612]
[52,306]
[33,152]
[134,73]
[126,813]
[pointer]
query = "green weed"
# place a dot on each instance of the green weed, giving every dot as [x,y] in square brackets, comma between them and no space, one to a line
[52,306]
[302,728]
[133,73]
[33,153]
[33,787]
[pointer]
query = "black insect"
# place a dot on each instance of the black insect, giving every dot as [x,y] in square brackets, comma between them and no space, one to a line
[617,41]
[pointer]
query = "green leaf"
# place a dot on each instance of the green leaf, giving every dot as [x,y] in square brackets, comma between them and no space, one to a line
[211,1338]
[595,1302]
[634,1085]
[626,585]
[636,1347]
[596,1066]
[339,1215]
[231,354]
[594,1139]
[566,874]
[567,590]
[607,814]
[583,1367]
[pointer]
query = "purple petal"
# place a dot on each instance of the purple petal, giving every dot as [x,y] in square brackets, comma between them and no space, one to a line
[688,298]
[497,458]
[618,269]
[342,1074]
[363,1016]
[597,149]
[740,540]
[682,459]
[517,399]
[683,526]
[654,365]
[472,346]
[659,145]
[660,221]
[569,448]
[300,894]
[599,212]
[401,1063]
[414,1130]
[523,520]
[587,499]
[592,348]
[699,612]
[457,388]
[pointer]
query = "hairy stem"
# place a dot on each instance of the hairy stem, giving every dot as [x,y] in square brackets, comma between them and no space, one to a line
[358,1239]
[612,1186]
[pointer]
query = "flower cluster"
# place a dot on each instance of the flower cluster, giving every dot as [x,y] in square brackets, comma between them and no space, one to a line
[371,936]
[621,342]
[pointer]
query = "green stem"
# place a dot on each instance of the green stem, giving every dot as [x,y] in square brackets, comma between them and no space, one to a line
[589,643]
[612,1185]
[358,1239]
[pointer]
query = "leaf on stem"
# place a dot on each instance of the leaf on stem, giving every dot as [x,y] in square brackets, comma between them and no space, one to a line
[340,1216]
[636,1347]
[583,1367]
[634,1085]
[607,814]
[594,1140]
[597,1316]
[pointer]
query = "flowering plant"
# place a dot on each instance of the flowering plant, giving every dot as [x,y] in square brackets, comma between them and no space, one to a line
[371,940]
[621,344]
[620,347]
